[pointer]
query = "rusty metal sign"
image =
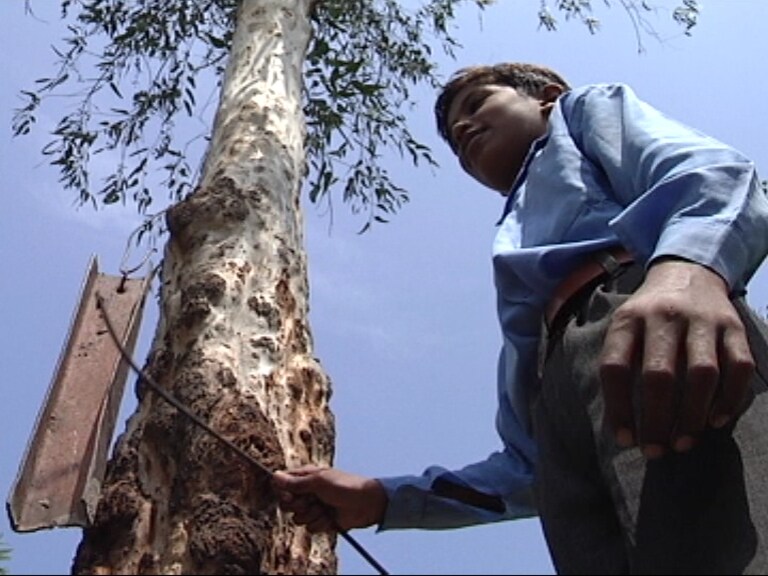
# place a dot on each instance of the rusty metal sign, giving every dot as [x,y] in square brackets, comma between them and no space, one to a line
[59,478]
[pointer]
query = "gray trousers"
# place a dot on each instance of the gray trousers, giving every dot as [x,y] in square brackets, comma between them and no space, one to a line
[606,510]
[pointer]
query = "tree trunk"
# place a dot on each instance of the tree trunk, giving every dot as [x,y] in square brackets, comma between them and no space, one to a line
[232,343]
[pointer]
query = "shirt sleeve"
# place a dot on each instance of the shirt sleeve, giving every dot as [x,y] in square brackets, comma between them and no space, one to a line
[497,488]
[683,193]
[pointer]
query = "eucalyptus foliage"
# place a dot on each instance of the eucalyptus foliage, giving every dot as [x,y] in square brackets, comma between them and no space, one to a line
[135,74]
[686,14]
[5,556]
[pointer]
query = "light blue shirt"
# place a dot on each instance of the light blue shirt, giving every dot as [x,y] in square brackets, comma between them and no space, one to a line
[610,170]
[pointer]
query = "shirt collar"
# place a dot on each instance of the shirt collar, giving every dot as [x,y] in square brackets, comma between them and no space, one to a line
[537,145]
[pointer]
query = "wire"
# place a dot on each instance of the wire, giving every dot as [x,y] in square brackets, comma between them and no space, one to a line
[173,401]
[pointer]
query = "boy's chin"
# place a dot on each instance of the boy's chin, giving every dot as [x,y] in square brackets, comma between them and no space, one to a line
[502,188]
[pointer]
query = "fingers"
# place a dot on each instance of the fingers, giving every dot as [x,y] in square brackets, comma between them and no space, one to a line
[311,512]
[297,494]
[301,480]
[659,386]
[702,378]
[616,374]
[668,373]
[738,370]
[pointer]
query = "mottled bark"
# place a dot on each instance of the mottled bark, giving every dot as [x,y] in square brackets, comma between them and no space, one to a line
[233,343]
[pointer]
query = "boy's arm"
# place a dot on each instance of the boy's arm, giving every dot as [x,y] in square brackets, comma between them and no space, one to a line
[695,212]
[328,499]
[496,488]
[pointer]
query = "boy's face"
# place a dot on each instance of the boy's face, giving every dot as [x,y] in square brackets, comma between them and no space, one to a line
[492,128]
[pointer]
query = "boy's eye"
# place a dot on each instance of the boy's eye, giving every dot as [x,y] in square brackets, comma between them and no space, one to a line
[474,102]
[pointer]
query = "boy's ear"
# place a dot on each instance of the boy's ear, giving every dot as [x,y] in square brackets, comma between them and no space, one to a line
[550,93]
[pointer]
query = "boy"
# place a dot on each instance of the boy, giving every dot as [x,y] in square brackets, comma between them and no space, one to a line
[631,414]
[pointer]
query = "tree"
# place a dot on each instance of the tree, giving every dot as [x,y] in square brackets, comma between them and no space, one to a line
[233,341]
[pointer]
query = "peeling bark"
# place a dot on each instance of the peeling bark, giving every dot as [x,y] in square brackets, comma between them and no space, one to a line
[232,343]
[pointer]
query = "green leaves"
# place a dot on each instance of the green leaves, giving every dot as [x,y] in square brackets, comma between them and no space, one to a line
[5,555]
[686,15]
[364,62]
[129,69]
[144,60]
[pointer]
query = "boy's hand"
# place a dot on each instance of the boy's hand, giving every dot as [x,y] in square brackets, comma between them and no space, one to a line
[327,500]
[684,339]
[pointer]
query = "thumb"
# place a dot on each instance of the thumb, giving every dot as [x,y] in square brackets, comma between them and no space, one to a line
[298,481]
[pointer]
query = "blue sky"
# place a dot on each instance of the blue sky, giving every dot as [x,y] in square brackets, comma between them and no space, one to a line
[402,317]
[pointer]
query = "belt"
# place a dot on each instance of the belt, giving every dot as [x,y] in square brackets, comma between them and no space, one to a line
[601,263]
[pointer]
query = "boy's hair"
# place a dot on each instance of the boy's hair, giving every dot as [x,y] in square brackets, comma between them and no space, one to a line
[527,78]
